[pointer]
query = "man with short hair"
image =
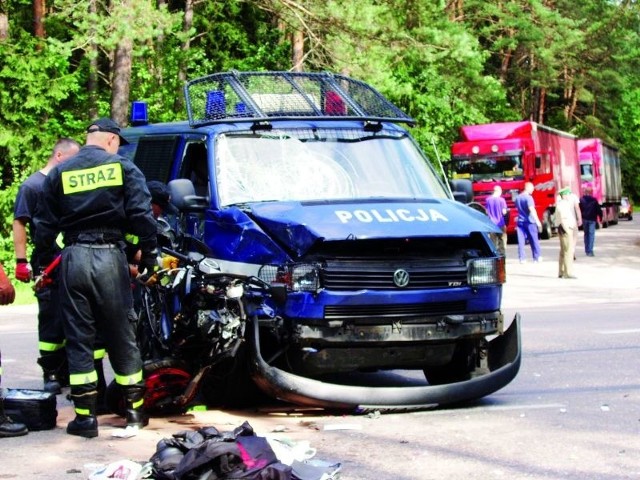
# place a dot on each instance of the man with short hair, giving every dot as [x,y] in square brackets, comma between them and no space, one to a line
[568,222]
[50,332]
[527,223]
[93,199]
[591,211]
[497,210]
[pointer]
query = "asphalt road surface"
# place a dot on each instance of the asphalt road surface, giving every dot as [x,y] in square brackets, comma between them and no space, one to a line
[573,411]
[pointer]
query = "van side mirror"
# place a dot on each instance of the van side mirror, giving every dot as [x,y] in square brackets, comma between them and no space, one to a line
[184,198]
[462,190]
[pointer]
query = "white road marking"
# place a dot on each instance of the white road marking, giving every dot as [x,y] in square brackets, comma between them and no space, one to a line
[534,406]
[618,332]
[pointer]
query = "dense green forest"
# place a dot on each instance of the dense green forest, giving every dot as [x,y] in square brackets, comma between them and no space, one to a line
[569,64]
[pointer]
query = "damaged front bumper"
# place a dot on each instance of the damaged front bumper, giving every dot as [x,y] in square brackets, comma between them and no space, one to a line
[504,356]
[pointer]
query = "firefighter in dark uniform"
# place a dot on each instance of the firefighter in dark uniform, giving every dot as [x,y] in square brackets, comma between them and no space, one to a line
[93,199]
[53,358]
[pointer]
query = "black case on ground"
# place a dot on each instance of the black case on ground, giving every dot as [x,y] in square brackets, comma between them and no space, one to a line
[35,408]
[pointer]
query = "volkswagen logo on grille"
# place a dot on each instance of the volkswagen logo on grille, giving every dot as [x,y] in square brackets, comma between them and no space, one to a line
[401,278]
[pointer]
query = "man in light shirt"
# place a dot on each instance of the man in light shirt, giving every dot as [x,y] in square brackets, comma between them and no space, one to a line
[568,219]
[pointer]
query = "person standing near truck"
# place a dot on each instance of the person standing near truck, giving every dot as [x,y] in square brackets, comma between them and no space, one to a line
[567,221]
[93,199]
[497,210]
[50,332]
[591,212]
[527,225]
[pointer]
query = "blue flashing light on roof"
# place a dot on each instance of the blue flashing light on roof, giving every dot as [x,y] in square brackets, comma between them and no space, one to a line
[139,113]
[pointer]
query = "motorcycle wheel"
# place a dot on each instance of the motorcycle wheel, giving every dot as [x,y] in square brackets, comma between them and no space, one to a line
[165,380]
[229,384]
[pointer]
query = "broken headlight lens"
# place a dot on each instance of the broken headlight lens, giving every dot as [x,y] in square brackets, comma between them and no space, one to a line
[301,277]
[305,278]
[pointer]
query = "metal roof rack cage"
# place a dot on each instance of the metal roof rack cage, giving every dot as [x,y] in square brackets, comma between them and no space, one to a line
[263,96]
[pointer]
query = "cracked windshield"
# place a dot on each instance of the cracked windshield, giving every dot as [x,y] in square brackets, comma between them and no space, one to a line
[303,165]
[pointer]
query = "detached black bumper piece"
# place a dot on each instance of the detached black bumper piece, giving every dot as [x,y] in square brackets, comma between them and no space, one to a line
[504,363]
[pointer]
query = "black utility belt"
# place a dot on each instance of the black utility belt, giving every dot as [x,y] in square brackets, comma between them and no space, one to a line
[97,238]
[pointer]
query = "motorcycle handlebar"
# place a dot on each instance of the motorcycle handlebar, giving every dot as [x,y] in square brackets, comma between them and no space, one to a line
[249,279]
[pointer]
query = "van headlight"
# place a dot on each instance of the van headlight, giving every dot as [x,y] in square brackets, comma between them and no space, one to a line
[486,271]
[299,277]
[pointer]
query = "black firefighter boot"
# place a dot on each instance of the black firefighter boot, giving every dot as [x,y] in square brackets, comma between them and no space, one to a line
[8,428]
[85,424]
[134,396]
[52,363]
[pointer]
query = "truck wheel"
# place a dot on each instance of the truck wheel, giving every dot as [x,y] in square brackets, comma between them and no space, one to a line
[546,233]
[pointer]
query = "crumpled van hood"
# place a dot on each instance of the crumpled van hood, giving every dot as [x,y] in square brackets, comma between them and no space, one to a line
[301,225]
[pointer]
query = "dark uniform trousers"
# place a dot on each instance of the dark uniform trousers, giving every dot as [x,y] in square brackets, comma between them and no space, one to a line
[51,334]
[51,343]
[96,297]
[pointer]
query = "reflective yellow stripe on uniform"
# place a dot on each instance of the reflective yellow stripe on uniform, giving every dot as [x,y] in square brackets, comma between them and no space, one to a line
[83,378]
[49,347]
[128,379]
[132,239]
[107,175]
[197,408]
[99,354]
[60,240]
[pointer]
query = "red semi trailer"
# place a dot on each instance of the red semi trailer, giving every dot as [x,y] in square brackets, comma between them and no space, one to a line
[512,153]
[600,168]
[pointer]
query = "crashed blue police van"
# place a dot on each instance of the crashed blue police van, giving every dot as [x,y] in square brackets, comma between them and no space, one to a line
[311,180]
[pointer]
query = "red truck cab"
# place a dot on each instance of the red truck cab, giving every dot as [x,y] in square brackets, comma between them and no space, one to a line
[512,153]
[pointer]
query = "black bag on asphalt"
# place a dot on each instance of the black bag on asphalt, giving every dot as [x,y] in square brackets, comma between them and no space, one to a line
[37,409]
[209,454]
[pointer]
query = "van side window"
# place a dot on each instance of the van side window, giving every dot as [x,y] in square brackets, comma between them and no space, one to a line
[194,167]
[154,156]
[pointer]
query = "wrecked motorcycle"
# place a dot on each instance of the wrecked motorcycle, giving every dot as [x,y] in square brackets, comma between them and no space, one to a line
[191,333]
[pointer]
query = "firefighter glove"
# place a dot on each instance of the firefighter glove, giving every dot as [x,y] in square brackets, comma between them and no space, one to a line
[148,264]
[23,270]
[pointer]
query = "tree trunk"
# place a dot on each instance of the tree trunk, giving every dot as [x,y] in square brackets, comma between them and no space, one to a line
[4,27]
[38,19]
[455,10]
[572,107]
[92,81]
[505,63]
[178,104]
[121,81]
[542,99]
[282,28]
[298,51]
